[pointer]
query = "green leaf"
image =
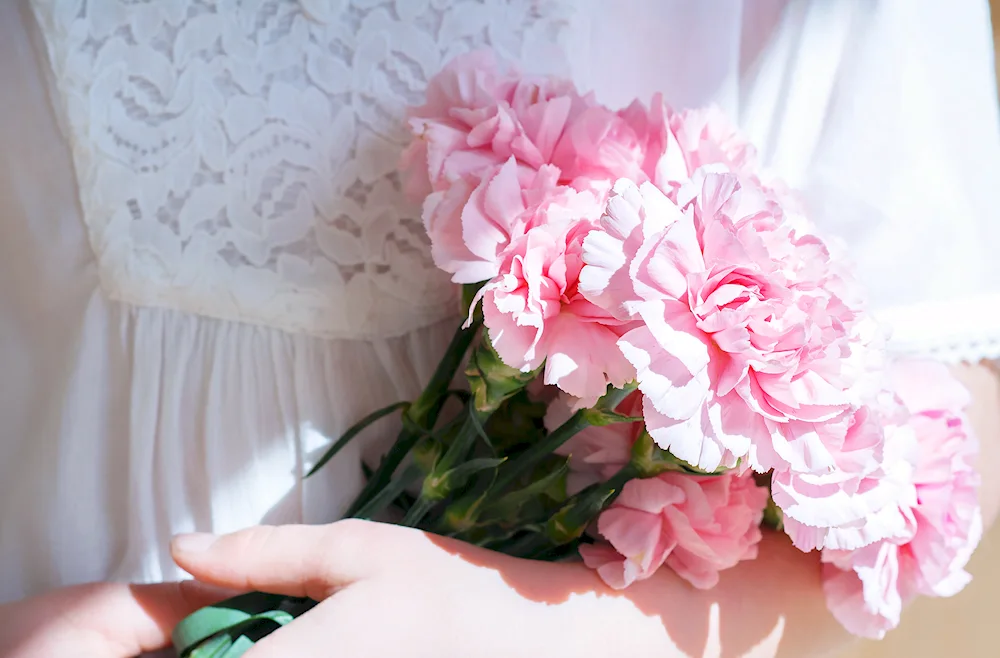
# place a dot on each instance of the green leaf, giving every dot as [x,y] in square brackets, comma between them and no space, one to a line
[508,506]
[615,396]
[427,453]
[601,418]
[518,422]
[541,449]
[389,493]
[424,412]
[651,460]
[491,381]
[439,486]
[356,429]
[774,518]
[527,544]
[572,520]
[462,514]
[481,433]
[566,551]
[505,540]
[418,511]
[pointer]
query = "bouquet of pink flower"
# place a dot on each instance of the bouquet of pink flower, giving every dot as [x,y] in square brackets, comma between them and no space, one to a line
[663,355]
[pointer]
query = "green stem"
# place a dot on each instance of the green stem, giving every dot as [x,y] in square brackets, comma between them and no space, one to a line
[613,485]
[437,485]
[527,459]
[423,413]
[523,545]
[576,423]
[417,512]
[572,520]
[463,441]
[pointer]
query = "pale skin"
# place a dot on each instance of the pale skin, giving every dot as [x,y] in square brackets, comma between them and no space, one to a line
[99,620]
[390,591]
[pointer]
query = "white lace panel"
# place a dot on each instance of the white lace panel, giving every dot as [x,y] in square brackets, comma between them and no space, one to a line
[237,158]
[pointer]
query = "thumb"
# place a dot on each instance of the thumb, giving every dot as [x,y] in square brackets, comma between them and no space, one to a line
[147,614]
[128,619]
[294,560]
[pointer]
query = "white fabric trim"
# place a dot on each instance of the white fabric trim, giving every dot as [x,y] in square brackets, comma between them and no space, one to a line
[951,331]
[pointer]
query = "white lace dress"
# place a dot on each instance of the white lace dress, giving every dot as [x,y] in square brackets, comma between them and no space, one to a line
[208,270]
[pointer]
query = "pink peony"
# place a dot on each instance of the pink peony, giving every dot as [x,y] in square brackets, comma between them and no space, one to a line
[867,588]
[738,335]
[696,525]
[534,314]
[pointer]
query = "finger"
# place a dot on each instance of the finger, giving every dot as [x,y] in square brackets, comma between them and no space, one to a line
[295,560]
[132,618]
[305,636]
[341,625]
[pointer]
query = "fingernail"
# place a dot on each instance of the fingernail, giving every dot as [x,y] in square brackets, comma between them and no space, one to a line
[194,542]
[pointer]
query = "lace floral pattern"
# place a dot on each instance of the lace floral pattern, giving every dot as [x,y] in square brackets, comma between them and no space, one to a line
[237,158]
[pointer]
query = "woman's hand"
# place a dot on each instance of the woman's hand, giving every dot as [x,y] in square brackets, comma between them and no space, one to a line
[103,620]
[393,591]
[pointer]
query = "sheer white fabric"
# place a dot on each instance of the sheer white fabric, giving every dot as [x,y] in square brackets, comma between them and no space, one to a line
[207,270]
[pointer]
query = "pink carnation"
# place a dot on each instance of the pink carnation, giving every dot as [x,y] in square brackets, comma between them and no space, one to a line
[440,151]
[472,222]
[529,124]
[707,137]
[599,147]
[736,339]
[637,143]
[696,525]
[478,115]
[862,588]
[867,588]
[534,313]
[854,499]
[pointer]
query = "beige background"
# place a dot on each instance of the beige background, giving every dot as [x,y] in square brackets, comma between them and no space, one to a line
[968,625]
[965,626]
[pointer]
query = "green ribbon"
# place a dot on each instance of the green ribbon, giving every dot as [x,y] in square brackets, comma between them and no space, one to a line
[228,629]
